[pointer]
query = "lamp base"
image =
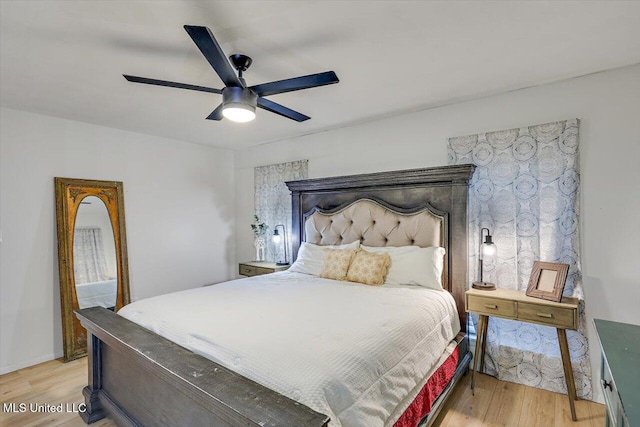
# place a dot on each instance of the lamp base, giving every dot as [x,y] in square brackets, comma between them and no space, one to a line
[280,263]
[484,286]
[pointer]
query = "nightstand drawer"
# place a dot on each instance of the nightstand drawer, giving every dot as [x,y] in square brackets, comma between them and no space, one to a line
[491,306]
[256,268]
[247,270]
[610,392]
[547,315]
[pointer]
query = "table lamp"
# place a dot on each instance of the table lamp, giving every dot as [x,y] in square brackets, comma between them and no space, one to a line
[276,240]
[488,250]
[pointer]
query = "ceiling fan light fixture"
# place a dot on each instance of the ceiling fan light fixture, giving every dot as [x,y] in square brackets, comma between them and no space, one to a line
[239,104]
[239,101]
[239,113]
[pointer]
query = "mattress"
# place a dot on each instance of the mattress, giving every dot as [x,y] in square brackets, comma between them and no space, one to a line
[353,352]
[97,294]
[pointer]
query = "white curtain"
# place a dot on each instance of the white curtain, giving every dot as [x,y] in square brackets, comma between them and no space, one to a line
[273,200]
[526,191]
[89,261]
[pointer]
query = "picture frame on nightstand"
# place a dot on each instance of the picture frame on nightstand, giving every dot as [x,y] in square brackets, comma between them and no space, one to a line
[547,280]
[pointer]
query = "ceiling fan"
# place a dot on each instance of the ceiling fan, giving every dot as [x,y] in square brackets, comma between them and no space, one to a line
[239,101]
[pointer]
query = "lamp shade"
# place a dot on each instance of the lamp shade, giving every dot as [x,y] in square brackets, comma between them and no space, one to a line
[488,249]
[239,113]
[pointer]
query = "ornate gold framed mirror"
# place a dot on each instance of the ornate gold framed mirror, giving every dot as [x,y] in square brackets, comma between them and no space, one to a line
[92,253]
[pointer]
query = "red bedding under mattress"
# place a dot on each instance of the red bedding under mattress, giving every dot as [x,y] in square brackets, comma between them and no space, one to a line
[421,405]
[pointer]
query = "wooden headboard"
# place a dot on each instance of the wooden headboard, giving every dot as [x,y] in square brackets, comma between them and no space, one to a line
[439,192]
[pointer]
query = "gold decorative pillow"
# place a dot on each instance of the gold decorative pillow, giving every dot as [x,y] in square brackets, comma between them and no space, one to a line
[369,268]
[335,263]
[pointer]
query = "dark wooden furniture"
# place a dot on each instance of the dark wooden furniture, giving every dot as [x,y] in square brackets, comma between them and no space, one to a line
[511,304]
[136,376]
[620,376]
[257,268]
[139,378]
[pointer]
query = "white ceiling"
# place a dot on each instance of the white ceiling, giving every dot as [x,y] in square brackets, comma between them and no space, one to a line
[66,58]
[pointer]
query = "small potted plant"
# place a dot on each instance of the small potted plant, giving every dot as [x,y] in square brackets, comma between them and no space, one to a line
[259,230]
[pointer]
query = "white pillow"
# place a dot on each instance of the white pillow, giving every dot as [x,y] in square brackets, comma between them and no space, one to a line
[310,257]
[413,265]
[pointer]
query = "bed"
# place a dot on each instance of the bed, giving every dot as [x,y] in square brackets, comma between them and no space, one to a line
[156,373]
[97,294]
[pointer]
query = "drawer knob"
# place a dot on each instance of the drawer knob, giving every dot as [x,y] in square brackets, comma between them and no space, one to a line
[492,306]
[606,384]
[547,315]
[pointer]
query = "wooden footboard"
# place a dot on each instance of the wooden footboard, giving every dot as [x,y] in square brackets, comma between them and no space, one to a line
[139,378]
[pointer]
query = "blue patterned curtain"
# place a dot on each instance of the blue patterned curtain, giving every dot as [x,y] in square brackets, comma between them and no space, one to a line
[526,191]
[273,199]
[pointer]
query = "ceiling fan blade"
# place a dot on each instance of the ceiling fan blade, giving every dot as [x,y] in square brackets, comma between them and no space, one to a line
[203,38]
[296,83]
[136,79]
[216,114]
[281,110]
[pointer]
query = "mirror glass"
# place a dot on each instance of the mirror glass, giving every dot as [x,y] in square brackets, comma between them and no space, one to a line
[94,256]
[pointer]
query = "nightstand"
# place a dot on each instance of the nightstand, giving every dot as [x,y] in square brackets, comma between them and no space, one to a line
[256,268]
[516,305]
[620,344]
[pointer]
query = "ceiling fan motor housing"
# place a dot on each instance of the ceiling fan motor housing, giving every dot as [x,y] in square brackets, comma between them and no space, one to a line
[239,95]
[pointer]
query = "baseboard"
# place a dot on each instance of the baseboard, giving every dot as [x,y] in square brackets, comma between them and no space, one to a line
[27,363]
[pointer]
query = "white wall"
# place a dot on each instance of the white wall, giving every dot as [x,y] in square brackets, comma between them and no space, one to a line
[179,204]
[608,104]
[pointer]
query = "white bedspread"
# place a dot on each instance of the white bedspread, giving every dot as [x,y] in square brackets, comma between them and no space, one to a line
[350,351]
[97,294]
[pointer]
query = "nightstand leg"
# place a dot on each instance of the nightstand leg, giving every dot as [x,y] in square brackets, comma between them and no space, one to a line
[479,335]
[568,371]
[485,330]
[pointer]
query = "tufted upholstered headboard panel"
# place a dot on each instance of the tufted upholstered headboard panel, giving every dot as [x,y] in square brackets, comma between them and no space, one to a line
[430,204]
[376,224]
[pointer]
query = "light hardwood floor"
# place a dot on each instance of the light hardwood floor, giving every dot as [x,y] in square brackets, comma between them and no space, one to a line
[501,403]
[496,403]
